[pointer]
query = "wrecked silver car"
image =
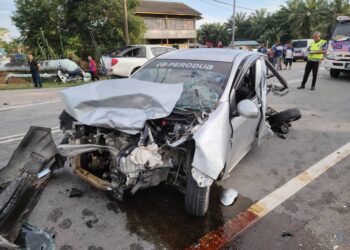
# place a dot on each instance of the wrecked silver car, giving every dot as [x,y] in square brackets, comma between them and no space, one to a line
[186,118]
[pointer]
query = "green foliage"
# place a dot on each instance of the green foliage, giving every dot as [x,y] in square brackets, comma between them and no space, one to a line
[213,32]
[295,19]
[75,28]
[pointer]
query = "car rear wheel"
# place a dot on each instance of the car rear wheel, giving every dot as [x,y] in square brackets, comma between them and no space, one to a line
[334,73]
[196,198]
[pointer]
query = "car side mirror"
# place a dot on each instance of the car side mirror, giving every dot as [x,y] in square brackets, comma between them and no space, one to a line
[247,109]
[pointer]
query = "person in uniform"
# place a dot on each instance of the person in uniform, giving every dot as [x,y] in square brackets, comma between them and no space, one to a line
[316,51]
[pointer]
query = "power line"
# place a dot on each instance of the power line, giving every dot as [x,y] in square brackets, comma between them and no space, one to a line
[213,4]
[229,4]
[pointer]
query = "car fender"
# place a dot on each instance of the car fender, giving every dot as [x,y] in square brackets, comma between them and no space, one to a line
[125,65]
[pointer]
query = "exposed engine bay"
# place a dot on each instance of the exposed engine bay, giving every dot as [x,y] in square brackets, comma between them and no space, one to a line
[123,163]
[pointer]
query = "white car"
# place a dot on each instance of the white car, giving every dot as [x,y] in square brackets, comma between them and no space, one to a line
[300,48]
[126,62]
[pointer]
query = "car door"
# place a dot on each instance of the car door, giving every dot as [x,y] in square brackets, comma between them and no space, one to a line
[244,130]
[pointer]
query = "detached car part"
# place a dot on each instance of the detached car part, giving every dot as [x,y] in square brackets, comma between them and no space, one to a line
[20,186]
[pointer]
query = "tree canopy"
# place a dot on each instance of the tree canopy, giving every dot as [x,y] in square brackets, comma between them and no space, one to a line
[295,19]
[75,28]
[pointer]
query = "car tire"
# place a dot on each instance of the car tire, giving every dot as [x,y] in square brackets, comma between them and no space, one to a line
[286,116]
[334,73]
[196,198]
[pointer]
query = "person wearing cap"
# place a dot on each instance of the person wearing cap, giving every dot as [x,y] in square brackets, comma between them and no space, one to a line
[316,51]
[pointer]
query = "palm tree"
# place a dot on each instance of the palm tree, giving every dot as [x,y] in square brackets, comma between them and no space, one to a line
[291,10]
[259,16]
[240,20]
[242,25]
[213,32]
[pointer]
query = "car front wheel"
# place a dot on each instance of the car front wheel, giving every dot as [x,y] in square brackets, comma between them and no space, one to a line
[196,198]
[334,73]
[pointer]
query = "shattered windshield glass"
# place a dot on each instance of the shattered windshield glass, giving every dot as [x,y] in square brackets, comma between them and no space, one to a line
[203,81]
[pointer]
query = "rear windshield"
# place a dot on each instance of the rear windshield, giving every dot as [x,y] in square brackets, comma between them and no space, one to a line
[300,44]
[203,81]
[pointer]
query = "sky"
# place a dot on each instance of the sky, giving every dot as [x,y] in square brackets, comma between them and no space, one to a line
[211,10]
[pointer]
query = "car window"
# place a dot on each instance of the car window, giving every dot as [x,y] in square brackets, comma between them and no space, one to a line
[246,88]
[299,44]
[169,49]
[134,52]
[159,51]
[203,81]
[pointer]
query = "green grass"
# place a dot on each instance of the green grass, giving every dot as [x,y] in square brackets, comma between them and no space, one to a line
[45,85]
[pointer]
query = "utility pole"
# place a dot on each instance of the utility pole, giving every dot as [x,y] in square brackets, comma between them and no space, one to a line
[233,24]
[126,26]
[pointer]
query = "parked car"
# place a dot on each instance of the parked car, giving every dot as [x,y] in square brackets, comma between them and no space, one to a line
[301,49]
[127,61]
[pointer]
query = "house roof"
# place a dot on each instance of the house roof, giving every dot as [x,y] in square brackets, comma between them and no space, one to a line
[169,8]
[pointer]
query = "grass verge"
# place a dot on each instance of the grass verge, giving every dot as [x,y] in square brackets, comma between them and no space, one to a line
[45,85]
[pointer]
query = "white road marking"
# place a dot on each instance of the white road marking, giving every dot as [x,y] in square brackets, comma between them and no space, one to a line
[219,238]
[21,134]
[18,137]
[283,193]
[27,105]
[294,81]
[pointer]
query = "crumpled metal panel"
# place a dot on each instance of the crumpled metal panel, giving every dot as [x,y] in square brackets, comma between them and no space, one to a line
[212,140]
[264,127]
[122,104]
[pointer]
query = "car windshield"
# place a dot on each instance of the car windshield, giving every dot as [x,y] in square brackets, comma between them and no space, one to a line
[342,31]
[203,81]
[300,44]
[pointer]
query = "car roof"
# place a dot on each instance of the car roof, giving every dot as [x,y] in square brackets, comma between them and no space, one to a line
[205,54]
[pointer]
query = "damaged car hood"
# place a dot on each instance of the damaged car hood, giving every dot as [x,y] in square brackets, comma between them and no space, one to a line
[122,104]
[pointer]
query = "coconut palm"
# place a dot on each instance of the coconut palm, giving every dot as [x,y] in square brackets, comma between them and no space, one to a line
[213,32]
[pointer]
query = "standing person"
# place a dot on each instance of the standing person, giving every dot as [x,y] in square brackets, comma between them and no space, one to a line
[93,69]
[278,51]
[289,55]
[270,57]
[316,51]
[262,49]
[34,67]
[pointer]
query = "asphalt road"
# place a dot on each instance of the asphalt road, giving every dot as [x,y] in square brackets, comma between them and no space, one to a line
[316,217]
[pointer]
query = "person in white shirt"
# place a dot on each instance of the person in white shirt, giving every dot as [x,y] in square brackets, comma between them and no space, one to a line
[289,55]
